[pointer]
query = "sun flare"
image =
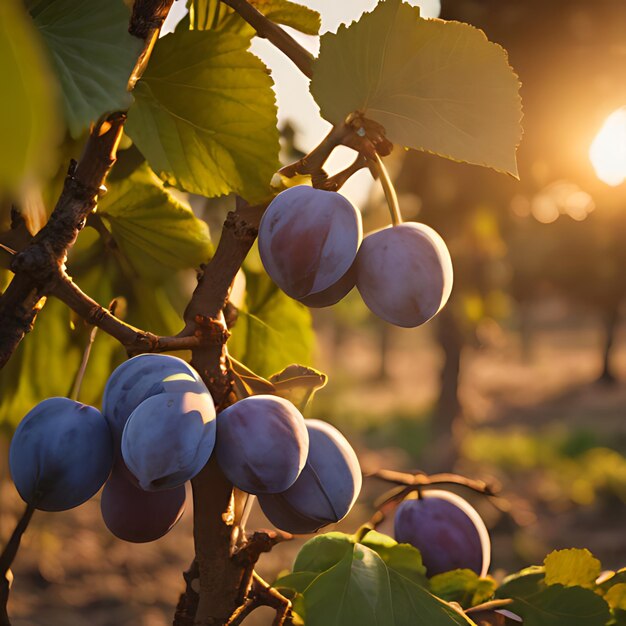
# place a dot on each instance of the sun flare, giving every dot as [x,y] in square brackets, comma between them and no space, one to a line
[608,149]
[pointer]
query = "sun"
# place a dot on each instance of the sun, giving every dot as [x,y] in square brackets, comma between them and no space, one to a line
[608,149]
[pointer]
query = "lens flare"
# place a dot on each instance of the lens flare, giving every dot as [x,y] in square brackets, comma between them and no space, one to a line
[608,149]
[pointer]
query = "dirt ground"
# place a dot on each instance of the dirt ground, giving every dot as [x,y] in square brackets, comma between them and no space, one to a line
[72,572]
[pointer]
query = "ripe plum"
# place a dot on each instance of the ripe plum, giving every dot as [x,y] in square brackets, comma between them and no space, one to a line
[404,273]
[262,444]
[326,489]
[61,454]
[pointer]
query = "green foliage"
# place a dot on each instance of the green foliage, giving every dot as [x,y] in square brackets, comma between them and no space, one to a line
[45,365]
[93,55]
[372,581]
[463,586]
[205,115]
[368,579]
[156,232]
[272,330]
[28,118]
[434,85]
[214,15]
[571,568]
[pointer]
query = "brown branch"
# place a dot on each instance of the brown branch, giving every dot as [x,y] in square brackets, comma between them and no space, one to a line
[265,28]
[263,594]
[133,339]
[6,559]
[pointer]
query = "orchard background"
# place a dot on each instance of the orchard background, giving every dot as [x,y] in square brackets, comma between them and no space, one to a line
[520,379]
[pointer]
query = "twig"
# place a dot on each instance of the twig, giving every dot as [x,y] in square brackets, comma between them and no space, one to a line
[6,559]
[263,594]
[265,28]
[422,479]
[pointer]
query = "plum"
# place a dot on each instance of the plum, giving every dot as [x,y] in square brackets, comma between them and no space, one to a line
[169,438]
[404,273]
[141,377]
[308,240]
[446,529]
[61,454]
[133,514]
[262,444]
[326,489]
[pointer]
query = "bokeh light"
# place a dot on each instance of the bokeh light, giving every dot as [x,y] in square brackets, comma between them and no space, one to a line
[608,149]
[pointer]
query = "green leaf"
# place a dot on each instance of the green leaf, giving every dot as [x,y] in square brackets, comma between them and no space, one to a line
[347,583]
[212,14]
[272,330]
[401,557]
[156,232]
[28,112]
[523,583]
[463,586]
[355,591]
[298,384]
[205,116]
[436,86]
[323,552]
[93,54]
[559,606]
[297,581]
[572,567]
[616,596]
[411,603]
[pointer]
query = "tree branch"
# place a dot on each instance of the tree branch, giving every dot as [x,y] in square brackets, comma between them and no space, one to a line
[36,267]
[6,559]
[266,29]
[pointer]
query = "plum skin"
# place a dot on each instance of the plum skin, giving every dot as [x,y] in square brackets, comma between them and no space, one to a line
[137,379]
[447,531]
[262,444]
[308,240]
[169,438]
[135,515]
[61,454]
[404,273]
[326,489]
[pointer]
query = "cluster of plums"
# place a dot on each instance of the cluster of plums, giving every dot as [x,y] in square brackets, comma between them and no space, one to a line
[157,430]
[311,244]
[446,529]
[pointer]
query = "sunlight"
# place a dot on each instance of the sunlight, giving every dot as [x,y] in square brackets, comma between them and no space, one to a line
[608,149]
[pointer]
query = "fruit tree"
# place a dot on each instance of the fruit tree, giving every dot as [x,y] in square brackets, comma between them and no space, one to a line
[108,129]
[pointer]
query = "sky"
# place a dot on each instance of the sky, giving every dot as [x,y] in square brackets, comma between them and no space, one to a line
[294,100]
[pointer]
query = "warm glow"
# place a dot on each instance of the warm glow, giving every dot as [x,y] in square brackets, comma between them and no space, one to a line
[608,149]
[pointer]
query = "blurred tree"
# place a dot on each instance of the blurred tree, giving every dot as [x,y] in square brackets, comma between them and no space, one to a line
[571,58]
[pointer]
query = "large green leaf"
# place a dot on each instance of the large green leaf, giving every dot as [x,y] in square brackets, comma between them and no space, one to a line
[434,85]
[272,330]
[559,606]
[205,115]
[93,54]
[571,567]
[355,591]
[344,582]
[156,232]
[401,557]
[28,113]
[213,14]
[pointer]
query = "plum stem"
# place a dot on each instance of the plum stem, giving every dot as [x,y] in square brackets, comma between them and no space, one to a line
[390,191]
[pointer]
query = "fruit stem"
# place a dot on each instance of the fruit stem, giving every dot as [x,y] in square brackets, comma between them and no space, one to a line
[390,191]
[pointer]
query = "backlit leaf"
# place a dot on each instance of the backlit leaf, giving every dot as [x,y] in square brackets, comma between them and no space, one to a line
[93,54]
[434,85]
[205,115]
[28,113]
[571,567]
[156,232]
